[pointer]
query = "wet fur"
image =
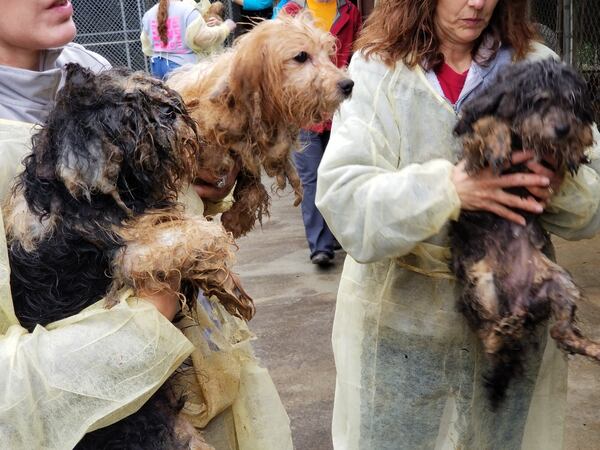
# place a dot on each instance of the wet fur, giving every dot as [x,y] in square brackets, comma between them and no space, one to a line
[104,174]
[510,284]
[253,100]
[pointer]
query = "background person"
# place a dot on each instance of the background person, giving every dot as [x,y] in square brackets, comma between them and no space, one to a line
[409,369]
[174,33]
[342,19]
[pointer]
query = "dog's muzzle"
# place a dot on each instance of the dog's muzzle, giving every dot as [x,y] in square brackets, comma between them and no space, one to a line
[346,86]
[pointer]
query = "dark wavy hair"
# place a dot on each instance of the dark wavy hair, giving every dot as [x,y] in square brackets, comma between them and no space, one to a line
[404,30]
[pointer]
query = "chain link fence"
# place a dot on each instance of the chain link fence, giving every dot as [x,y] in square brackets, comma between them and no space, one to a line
[572,27]
[112,28]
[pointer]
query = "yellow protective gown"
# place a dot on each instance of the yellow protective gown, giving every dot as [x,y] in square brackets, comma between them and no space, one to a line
[409,370]
[94,368]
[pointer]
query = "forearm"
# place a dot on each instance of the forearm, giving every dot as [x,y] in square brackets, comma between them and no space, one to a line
[200,37]
[379,212]
[84,372]
[146,44]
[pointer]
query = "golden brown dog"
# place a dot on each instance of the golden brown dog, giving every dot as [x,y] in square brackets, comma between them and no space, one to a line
[251,102]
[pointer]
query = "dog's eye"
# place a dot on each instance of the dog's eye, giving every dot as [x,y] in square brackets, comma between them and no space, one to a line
[301,57]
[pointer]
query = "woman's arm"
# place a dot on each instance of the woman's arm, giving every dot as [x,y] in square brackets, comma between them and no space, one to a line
[200,37]
[146,44]
[374,209]
[83,372]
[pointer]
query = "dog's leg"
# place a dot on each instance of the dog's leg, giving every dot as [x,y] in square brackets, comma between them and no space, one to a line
[167,251]
[251,201]
[564,294]
[294,179]
[488,145]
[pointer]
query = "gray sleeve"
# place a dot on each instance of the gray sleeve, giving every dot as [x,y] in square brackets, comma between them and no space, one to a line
[78,54]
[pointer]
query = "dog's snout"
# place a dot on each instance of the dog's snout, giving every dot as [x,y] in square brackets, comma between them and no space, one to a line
[562,129]
[346,86]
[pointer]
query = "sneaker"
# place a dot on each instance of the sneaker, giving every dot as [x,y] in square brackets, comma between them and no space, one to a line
[321,259]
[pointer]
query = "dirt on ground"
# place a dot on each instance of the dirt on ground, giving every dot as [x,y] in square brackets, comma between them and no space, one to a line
[295,306]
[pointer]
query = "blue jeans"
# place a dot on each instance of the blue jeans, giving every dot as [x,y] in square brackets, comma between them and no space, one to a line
[307,162]
[160,67]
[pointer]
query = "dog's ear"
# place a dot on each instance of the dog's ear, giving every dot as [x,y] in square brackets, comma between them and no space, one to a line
[488,103]
[77,76]
[222,94]
[507,107]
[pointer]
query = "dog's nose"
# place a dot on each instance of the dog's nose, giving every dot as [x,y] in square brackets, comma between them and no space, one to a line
[346,86]
[562,129]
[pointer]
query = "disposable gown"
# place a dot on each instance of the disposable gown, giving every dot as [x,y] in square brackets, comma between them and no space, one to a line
[409,370]
[94,368]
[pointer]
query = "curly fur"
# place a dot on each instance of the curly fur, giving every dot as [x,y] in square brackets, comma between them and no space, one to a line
[253,101]
[103,176]
[510,284]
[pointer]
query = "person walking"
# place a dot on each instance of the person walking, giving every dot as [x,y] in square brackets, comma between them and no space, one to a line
[342,19]
[409,369]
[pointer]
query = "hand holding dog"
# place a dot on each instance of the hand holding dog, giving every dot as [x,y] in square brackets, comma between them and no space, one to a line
[485,191]
[213,188]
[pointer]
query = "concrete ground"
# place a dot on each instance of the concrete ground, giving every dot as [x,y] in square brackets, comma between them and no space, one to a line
[295,304]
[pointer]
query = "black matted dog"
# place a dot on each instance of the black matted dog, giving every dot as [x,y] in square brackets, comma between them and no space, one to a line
[96,210]
[509,284]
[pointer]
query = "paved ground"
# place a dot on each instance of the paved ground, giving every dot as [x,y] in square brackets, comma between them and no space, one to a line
[295,307]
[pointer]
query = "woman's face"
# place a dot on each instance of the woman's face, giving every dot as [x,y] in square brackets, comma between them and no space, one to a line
[462,21]
[33,25]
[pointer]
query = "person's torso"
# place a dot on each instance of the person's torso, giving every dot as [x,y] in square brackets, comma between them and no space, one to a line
[179,16]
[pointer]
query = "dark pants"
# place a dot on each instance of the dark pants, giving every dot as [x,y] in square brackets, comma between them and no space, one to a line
[307,162]
[160,67]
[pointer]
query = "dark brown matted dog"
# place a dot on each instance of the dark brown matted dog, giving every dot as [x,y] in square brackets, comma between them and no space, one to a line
[510,284]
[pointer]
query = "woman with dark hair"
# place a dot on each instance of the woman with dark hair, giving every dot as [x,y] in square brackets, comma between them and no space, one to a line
[409,370]
[174,33]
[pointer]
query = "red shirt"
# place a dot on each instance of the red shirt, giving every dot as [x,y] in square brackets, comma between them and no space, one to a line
[452,83]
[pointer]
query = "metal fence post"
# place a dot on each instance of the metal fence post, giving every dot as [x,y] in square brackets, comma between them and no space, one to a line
[568,31]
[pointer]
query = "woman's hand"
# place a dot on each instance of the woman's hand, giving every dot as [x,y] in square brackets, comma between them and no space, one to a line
[485,191]
[166,301]
[213,188]
[213,21]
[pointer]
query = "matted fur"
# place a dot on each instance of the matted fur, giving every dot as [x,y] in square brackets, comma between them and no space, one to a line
[510,284]
[254,98]
[150,260]
[96,210]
